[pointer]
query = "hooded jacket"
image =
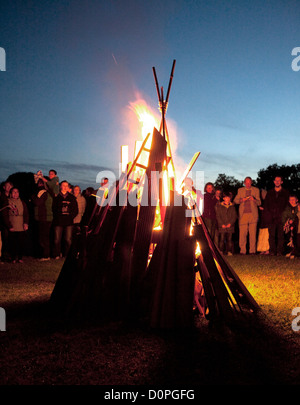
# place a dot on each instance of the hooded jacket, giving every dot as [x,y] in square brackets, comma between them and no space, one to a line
[226,214]
[64,209]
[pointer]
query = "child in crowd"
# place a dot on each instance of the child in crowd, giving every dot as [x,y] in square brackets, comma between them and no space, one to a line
[226,217]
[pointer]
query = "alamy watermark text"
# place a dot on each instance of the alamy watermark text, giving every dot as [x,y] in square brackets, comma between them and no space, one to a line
[2,60]
[296,61]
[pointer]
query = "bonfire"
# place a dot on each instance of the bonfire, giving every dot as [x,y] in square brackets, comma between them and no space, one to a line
[145,251]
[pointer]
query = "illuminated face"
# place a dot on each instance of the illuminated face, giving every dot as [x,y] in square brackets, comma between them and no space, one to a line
[64,187]
[226,200]
[293,201]
[15,194]
[209,188]
[76,191]
[7,187]
[248,182]
[278,181]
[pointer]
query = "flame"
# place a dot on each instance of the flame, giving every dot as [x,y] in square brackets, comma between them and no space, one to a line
[146,119]
[147,122]
[198,250]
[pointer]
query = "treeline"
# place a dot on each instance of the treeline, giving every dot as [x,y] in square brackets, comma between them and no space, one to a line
[264,181]
[265,178]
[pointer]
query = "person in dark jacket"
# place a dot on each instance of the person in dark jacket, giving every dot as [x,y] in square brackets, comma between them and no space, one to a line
[43,215]
[209,212]
[275,202]
[64,209]
[226,217]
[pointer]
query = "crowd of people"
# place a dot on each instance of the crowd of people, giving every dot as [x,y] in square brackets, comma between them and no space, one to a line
[263,222]
[252,221]
[58,211]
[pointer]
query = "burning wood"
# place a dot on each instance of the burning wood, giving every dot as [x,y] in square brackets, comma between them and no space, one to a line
[141,254]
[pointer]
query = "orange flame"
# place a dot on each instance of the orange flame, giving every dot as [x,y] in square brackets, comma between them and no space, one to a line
[145,117]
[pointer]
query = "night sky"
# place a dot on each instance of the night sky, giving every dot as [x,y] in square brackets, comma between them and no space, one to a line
[74,67]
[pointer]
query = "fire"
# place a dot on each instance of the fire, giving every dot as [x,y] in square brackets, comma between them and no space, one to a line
[198,250]
[146,118]
[147,122]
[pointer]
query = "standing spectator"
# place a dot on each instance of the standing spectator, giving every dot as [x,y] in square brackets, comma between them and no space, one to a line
[52,183]
[16,220]
[219,194]
[248,198]
[7,186]
[275,202]
[290,225]
[226,217]
[263,233]
[219,197]
[64,210]
[43,215]
[81,202]
[209,212]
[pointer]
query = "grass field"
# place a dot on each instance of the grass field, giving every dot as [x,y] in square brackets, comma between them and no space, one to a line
[38,349]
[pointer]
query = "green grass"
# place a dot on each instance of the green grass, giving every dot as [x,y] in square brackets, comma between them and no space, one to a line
[274,282]
[40,349]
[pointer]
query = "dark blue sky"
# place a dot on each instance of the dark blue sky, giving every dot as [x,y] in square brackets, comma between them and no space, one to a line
[74,67]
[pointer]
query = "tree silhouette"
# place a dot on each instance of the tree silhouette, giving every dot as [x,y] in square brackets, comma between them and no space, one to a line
[24,181]
[227,183]
[290,176]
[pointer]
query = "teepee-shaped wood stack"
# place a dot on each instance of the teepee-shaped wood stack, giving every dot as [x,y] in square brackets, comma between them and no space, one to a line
[120,266]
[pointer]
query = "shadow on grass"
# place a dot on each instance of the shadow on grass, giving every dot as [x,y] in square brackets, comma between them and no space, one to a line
[50,349]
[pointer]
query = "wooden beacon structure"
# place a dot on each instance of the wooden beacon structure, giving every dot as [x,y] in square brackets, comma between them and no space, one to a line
[121,265]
